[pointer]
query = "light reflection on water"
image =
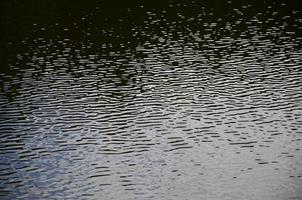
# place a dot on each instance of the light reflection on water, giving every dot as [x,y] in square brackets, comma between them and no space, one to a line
[178,101]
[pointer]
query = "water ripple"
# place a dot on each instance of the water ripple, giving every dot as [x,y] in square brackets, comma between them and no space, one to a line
[162,101]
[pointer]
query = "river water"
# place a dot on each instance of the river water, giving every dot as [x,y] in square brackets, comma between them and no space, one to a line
[155,100]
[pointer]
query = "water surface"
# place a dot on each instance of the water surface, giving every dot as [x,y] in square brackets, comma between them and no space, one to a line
[151,101]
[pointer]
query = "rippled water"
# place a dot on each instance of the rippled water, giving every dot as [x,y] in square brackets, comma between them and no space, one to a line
[151,101]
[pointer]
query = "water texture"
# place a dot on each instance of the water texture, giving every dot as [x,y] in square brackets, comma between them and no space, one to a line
[151,100]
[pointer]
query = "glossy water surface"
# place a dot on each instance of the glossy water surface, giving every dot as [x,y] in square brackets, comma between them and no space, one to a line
[151,100]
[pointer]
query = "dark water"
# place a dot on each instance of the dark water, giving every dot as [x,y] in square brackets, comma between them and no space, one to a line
[154,100]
